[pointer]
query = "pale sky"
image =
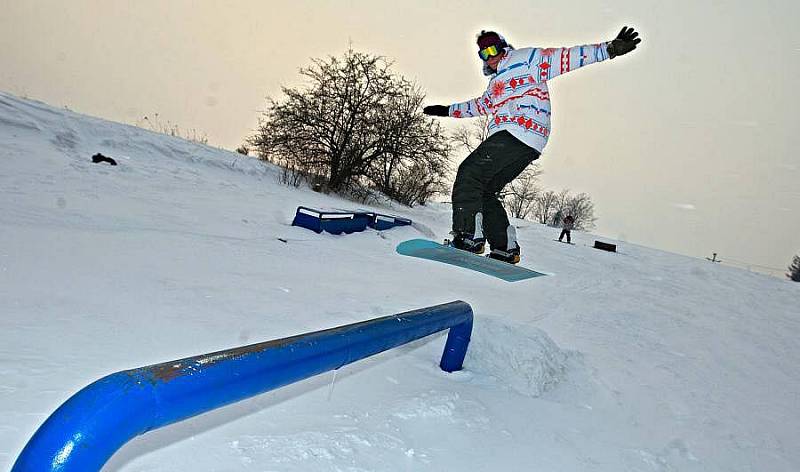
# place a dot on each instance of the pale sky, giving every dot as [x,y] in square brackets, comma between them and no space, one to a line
[687,144]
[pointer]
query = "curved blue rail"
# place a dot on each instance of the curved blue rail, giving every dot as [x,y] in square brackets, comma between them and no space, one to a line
[84,432]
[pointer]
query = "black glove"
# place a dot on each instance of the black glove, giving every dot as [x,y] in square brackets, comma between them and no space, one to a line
[624,43]
[436,110]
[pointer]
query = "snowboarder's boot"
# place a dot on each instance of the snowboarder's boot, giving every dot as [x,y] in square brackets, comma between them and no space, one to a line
[506,255]
[467,242]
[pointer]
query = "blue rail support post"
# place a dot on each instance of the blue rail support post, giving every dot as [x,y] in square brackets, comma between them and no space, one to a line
[85,431]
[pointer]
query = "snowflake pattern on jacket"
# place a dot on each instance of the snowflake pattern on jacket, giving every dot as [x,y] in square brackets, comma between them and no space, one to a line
[517,97]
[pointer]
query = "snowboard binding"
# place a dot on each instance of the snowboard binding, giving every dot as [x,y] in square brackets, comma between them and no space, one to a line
[512,256]
[466,242]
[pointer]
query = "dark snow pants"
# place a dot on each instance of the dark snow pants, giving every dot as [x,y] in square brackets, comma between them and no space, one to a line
[480,178]
[565,232]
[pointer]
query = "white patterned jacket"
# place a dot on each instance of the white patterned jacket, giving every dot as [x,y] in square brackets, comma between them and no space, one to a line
[517,96]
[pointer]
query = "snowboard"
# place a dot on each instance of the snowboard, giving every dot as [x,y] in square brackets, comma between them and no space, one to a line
[431,250]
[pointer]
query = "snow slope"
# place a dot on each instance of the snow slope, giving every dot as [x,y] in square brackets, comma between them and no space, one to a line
[636,361]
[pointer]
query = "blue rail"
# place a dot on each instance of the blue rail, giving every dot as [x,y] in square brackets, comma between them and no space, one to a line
[84,432]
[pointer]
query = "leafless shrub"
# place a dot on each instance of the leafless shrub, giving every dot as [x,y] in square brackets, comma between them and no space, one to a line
[357,124]
[154,123]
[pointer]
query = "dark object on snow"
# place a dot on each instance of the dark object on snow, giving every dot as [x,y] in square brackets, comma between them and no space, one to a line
[605,246]
[98,158]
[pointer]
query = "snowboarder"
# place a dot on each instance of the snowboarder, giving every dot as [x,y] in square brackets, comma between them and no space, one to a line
[569,223]
[519,104]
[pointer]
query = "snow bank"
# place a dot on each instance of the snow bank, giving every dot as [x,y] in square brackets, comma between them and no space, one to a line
[78,137]
[518,356]
[639,360]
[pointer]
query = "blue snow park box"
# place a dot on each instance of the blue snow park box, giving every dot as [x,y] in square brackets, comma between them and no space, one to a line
[382,222]
[334,221]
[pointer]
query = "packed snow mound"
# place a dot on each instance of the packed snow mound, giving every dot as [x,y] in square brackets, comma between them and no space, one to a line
[78,137]
[519,356]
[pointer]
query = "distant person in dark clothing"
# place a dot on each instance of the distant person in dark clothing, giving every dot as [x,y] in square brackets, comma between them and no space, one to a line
[569,223]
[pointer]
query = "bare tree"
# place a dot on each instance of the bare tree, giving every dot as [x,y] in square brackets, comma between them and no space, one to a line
[519,197]
[546,206]
[581,208]
[354,123]
[553,206]
[471,135]
[794,269]
[415,162]
[562,201]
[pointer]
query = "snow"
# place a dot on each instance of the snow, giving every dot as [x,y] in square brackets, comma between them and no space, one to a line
[636,361]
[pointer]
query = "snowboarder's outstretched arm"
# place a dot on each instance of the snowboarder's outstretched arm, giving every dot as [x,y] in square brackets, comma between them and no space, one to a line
[548,63]
[475,107]
[470,108]
[551,62]
[539,65]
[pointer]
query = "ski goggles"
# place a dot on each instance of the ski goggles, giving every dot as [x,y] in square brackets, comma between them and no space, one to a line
[489,52]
